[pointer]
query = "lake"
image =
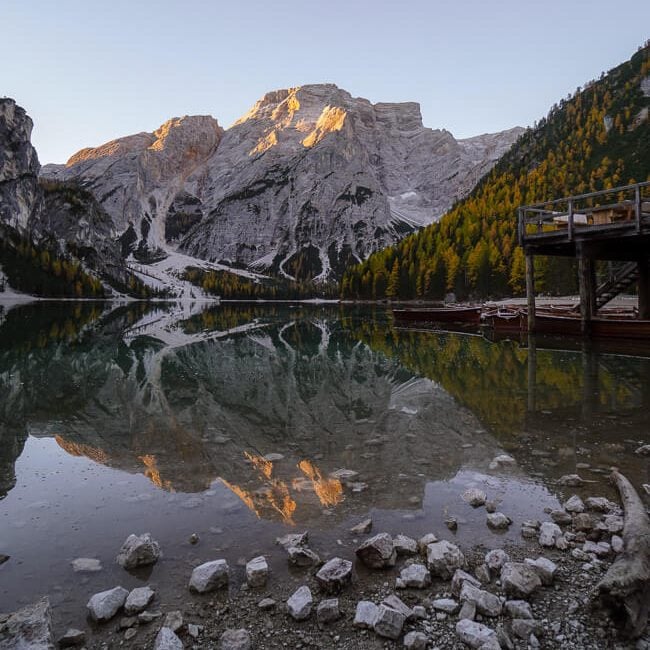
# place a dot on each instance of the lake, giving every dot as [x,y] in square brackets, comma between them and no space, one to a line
[241,422]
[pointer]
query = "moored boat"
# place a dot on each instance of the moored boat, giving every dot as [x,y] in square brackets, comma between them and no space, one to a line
[458,315]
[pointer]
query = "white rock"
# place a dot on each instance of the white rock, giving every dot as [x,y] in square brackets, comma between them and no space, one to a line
[601,549]
[29,628]
[300,603]
[617,544]
[365,615]
[398,605]
[167,640]
[138,550]
[138,599]
[571,480]
[447,605]
[476,635]
[377,551]
[71,638]
[600,504]
[486,603]
[544,568]
[334,575]
[328,611]
[389,622]
[518,609]
[257,571]
[415,641]
[404,545]
[104,605]
[209,576]
[443,558]
[644,450]
[459,578]
[502,461]
[416,576]
[549,533]
[424,541]
[174,620]
[474,497]
[302,556]
[468,611]
[495,559]
[519,580]
[574,504]
[235,640]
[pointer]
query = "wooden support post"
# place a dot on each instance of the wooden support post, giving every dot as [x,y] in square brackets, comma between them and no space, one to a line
[587,282]
[644,288]
[530,291]
[532,373]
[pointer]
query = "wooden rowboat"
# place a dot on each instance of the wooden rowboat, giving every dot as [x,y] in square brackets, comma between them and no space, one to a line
[458,315]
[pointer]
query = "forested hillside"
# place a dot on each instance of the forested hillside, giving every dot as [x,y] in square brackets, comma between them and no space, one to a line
[597,138]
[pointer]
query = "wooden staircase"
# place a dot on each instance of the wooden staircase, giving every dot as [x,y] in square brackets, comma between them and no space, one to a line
[623,278]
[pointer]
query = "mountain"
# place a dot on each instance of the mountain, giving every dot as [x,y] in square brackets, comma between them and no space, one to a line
[54,239]
[596,139]
[309,180]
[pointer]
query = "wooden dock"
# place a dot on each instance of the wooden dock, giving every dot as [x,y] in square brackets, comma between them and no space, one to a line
[611,225]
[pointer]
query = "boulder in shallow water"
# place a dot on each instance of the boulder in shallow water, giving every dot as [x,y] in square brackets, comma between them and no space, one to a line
[29,628]
[138,550]
[474,497]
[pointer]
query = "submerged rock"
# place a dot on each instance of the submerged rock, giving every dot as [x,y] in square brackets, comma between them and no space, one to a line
[378,552]
[29,628]
[362,527]
[105,604]
[209,576]
[138,551]
[86,565]
[334,575]
[474,497]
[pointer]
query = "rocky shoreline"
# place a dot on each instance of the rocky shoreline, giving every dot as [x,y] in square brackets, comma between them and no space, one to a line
[395,592]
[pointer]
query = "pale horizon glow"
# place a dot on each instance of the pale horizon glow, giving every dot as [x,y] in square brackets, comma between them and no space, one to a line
[88,73]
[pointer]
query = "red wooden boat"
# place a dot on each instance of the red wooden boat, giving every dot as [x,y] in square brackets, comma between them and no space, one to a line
[458,315]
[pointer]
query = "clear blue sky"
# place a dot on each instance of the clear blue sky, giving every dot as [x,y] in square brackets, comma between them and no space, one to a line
[89,71]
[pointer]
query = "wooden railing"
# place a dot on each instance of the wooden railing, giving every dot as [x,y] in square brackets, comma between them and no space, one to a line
[627,205]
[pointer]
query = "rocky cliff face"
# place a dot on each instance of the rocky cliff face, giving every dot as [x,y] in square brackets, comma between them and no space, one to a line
[20,197]
[307,181]
[137,178]
[54,216]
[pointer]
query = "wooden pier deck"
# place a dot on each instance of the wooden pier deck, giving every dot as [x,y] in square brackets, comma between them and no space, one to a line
[612,224]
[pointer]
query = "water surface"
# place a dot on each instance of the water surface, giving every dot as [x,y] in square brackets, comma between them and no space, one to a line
[236,422]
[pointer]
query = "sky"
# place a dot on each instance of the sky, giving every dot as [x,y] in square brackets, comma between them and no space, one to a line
[93,70]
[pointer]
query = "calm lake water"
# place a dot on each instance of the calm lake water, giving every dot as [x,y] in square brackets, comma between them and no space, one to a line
[234,422]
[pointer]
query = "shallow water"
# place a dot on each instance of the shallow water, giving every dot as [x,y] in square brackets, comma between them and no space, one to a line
[232,421]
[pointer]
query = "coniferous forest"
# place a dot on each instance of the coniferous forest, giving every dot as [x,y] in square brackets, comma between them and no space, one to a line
[595,139]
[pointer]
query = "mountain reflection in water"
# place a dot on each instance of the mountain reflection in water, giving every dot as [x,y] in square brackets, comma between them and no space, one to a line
[272,400]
